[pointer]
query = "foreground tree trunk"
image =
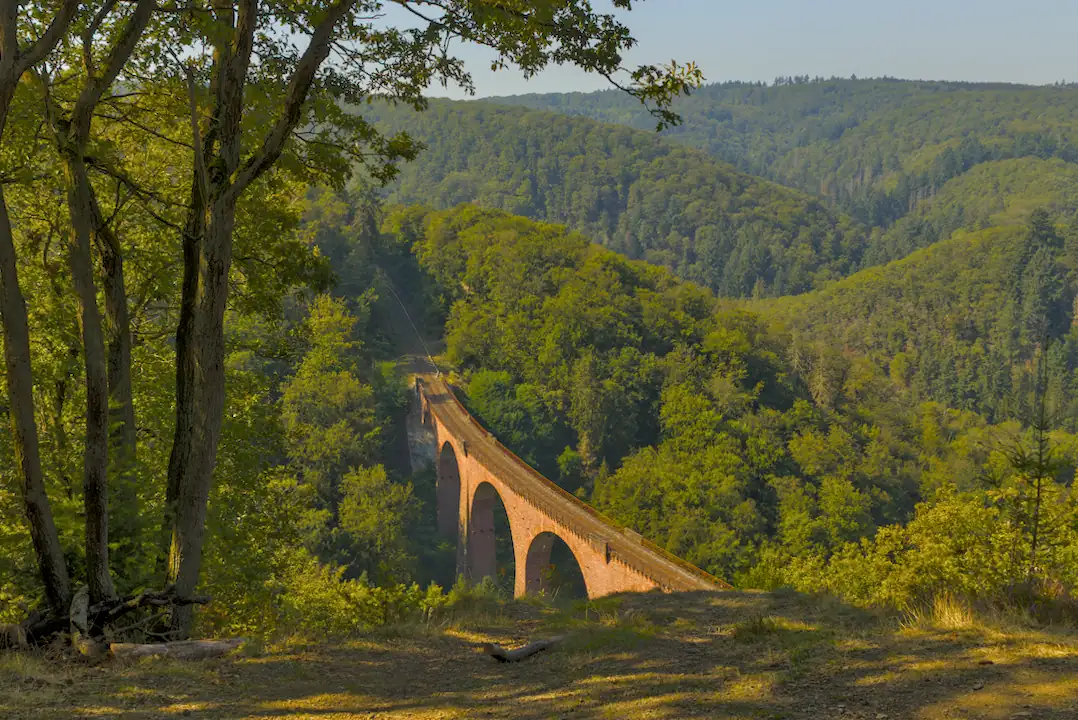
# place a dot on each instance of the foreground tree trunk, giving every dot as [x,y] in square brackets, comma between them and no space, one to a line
[199,407]
[95,458]
[123,444]
[185,368]
[13,63]
[72,137]
[20,387]
[219,181]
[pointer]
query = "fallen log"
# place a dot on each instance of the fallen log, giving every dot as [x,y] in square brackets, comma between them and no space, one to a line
[516,655]
[179,650]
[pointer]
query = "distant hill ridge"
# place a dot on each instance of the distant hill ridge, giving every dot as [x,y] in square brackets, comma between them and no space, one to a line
[628,190]
[875,147]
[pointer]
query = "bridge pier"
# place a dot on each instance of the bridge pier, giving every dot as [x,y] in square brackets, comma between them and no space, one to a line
[448,492]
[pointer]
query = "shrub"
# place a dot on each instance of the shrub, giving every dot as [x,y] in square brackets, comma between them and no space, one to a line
[312,598]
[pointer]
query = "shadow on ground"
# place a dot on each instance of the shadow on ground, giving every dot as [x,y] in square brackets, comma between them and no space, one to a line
[719,655]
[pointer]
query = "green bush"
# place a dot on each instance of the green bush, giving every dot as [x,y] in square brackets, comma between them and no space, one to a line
[316,599]
[959,544]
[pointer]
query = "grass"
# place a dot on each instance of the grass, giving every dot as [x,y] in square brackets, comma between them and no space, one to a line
[722,655]
[945,612]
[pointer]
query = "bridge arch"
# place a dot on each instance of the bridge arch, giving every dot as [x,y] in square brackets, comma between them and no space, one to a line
[550,564]
[488,506]
[448,490]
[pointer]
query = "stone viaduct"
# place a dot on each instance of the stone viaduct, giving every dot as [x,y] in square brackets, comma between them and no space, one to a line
[475,470]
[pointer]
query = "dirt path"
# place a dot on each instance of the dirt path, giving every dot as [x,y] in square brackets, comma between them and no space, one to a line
[706,655]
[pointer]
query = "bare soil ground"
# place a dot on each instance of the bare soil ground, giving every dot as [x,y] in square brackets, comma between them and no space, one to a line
[700,655]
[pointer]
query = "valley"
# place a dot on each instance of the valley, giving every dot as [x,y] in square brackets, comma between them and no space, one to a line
[797,360]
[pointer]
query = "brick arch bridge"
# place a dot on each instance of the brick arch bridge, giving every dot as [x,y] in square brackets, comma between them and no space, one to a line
[475,471]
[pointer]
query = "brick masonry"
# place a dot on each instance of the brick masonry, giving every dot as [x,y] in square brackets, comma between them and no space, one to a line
[475,471]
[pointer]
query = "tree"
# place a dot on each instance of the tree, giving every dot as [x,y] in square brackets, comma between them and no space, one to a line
[103,378]
[1043,308]
[1035,463]
[15,60]
[374,514]
[1042,230]
[348,59]
[327,411]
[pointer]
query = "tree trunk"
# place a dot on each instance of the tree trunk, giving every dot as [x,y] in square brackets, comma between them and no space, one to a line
[123,442]
[20,385]
[218,181]
[181,650]
[193,460]
[117,370]
[207,249]
[185,365]
[14,62]
[123,447]
[59,435]
[95,459]
[72,136]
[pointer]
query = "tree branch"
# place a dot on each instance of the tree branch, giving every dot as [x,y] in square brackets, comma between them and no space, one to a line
[298,89]
[47,41]
[121,52]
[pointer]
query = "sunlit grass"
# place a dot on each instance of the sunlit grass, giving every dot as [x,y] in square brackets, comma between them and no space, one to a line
[944,612]
[736,655]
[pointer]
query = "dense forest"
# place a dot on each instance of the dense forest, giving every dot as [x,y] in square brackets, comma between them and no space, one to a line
[961,321]
[185,408]
[952,156]
[765,458]
[629,191]
[993,194]
[876,147]
[212,267]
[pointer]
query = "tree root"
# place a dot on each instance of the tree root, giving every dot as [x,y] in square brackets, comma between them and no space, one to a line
[87,623]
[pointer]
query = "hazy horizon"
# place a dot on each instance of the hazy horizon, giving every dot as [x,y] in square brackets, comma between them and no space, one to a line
[930,40]
[1070,83]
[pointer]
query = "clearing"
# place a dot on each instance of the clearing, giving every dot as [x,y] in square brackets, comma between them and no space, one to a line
[713,655]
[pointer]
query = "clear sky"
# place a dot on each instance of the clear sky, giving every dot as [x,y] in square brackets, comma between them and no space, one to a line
[1026,41]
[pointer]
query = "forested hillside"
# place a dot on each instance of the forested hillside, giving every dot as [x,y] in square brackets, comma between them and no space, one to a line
[993,194]
[627,190]
[876,147]
[767,459]
[959,322]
